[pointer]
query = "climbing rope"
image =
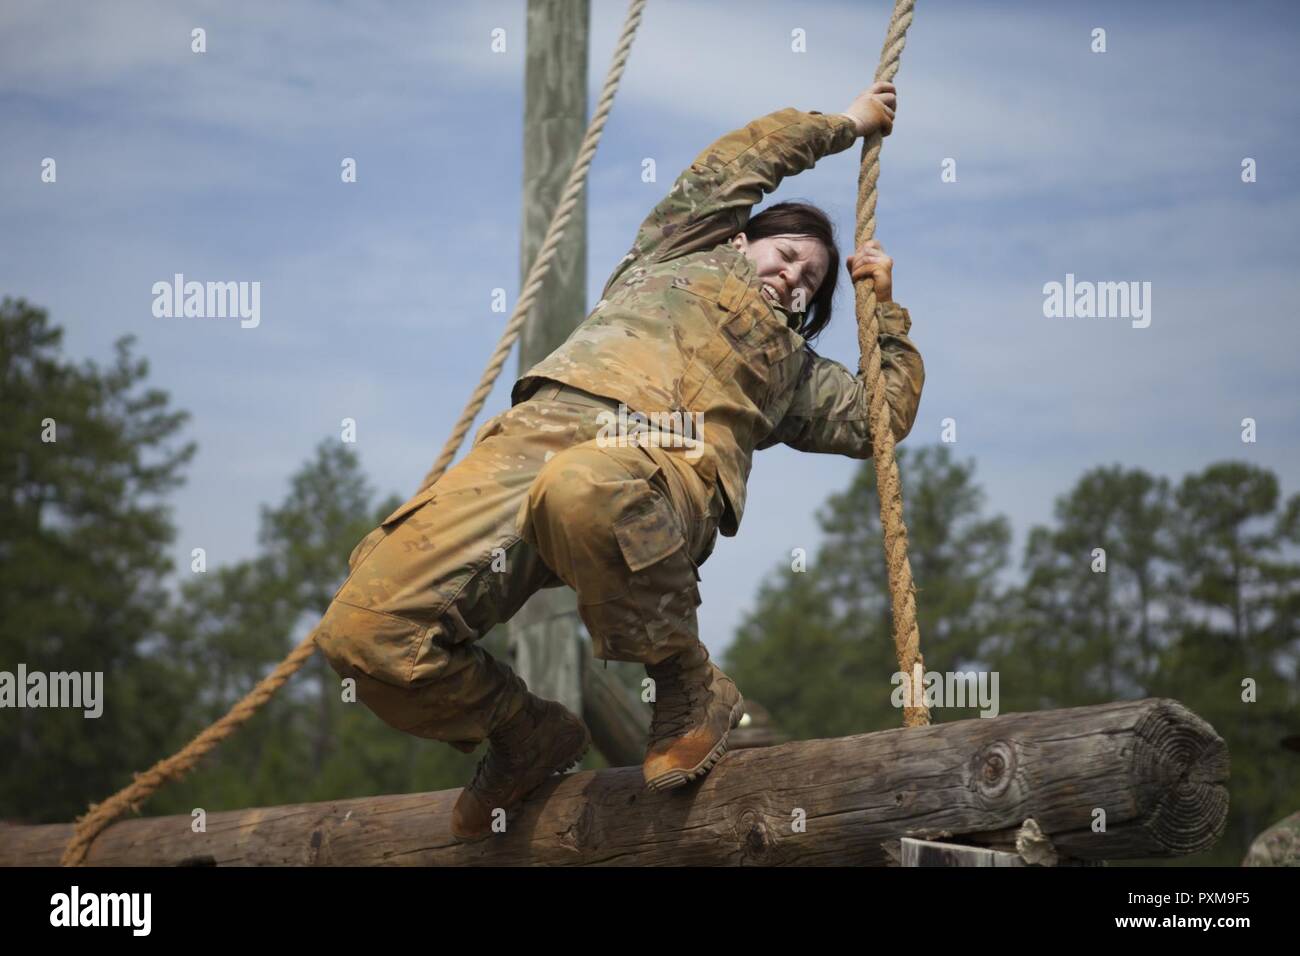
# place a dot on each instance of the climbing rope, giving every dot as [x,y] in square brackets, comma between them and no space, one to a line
[550,243]
[902,591]
[144,785]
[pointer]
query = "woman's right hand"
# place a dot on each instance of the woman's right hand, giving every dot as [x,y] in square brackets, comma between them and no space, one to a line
[873,109]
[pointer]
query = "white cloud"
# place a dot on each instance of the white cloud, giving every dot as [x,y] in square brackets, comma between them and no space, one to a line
[1120,166]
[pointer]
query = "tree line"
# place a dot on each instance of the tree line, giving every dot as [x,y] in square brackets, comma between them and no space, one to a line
[1140,586]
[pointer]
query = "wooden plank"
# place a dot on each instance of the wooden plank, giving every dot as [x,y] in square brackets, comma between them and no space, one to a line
[1157,769]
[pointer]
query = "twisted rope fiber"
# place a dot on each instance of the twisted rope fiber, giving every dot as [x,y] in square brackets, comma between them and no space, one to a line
[101,815]
[550,243]
[902,590]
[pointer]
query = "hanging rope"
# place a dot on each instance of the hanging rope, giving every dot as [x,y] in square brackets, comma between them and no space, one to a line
[902,591]
[101,815]
[550,243]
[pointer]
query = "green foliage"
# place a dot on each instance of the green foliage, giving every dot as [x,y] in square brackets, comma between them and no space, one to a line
[1199,593]
[307,743]
[818,650]
[83,539]
[1195,597]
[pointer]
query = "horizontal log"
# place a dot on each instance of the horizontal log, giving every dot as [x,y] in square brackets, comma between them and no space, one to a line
[1155,769]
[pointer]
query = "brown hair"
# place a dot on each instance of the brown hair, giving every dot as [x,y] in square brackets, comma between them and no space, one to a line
[803,219]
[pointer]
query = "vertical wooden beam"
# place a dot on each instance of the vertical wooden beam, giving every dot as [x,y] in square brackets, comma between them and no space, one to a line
[544,637]
[546,640]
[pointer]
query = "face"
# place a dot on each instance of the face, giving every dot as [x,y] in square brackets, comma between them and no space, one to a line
[786,263]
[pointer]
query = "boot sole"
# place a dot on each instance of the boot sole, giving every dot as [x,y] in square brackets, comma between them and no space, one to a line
[563,768]
[680,778]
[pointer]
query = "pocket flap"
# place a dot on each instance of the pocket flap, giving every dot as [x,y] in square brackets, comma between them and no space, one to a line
[648,536]
[740,324]
[419,499]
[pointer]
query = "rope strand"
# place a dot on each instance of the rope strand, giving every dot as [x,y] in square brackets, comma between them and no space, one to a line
[902,590]
[101,815]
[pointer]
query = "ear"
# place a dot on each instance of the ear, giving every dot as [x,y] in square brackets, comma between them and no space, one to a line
[740,241]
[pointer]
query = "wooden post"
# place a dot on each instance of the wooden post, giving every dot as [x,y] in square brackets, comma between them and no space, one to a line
[546,643]
[1028,783]
[544,636]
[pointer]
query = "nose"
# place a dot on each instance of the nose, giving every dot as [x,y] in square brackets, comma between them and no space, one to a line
[791,275]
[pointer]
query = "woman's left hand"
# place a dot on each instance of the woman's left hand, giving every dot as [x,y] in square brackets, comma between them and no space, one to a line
[870,261]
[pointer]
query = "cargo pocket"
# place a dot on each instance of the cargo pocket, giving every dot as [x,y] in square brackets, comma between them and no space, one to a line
[649,536]
[405,509]
[490,428]
[761,347]
[648,605]
[364,547]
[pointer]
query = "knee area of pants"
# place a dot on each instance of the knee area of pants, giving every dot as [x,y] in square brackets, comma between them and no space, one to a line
[570,483]
[357,641]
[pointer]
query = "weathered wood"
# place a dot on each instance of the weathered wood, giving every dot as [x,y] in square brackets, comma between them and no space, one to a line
[932,853]
[618,720]
[756,729]
[1155,768]
[544,635]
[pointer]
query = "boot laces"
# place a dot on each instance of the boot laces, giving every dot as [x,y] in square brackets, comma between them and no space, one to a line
[504,750]
[675,708]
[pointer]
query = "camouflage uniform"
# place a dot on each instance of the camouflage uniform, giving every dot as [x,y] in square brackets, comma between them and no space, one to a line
[681,327]
[1279,845]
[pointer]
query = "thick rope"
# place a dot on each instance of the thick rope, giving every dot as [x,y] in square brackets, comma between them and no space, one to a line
[550,243]
[907,636]
[101,815]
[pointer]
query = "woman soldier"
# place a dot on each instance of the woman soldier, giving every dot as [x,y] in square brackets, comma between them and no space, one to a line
[707,319]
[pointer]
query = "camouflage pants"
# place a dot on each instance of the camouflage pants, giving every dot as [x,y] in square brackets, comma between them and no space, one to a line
[538,502]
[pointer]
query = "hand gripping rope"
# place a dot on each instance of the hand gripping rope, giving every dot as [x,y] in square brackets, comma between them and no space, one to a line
[902,591]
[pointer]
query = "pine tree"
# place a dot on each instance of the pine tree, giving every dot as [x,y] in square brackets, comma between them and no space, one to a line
[86,456]
[818,650]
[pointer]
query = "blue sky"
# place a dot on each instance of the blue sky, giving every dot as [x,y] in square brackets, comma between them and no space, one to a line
[1120,166]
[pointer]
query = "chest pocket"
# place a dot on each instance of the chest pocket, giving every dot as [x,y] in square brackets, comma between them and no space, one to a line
[748,349]
[762,349]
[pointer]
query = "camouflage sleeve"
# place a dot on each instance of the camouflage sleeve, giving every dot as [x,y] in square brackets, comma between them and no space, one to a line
[829,412]
[711,199]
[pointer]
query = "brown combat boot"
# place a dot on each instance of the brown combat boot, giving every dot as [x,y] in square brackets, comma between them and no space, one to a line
[696,707]
[542,739]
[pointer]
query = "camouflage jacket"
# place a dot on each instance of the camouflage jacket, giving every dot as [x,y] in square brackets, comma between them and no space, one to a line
[682,325]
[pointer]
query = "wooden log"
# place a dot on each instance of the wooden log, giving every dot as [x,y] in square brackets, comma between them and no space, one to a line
[757,729]
[1154,767]
[620,721]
